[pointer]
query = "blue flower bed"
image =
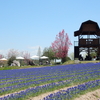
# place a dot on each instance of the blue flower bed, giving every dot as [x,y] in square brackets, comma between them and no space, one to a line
[56,76]
[73,91]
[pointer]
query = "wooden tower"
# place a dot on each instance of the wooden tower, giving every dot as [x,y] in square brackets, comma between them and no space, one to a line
[88,39]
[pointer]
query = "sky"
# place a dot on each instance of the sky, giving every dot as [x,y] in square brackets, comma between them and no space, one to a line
[26,25]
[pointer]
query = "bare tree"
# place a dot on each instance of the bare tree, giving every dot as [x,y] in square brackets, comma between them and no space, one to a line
[12,53]
[1,56]
[26,56]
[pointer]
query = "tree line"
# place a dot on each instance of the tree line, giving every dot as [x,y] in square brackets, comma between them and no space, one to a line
[58,49]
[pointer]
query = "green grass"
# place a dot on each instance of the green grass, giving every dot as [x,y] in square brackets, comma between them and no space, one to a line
[73,62]
[16,67]
[36,66]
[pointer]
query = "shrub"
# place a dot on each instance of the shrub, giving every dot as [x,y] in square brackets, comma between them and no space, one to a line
[10,60]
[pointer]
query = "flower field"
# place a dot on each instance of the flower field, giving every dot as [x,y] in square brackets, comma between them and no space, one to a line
[21,84]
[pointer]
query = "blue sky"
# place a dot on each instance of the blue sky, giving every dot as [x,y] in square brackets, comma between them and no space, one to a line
[27,24]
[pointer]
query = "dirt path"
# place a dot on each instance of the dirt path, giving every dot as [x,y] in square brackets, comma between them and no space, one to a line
[40,97]
[95,95]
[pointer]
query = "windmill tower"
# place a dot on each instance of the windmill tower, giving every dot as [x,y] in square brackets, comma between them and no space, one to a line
[88,39]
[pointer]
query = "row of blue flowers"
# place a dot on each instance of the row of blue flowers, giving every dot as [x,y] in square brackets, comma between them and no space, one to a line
[61,95]
[25,78]
[39,89]
[73,91]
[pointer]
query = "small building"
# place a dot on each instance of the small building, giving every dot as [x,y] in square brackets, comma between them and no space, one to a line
[88,39]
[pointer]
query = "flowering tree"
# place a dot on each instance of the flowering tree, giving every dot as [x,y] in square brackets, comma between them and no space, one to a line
[12,53]
[61,45]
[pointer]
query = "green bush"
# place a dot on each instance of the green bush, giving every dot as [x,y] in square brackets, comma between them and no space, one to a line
[10,60]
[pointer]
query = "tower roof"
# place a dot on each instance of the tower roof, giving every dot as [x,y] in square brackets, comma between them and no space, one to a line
[88,27]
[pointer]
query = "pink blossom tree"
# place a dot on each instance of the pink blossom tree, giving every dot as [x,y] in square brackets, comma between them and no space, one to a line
[61,45]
